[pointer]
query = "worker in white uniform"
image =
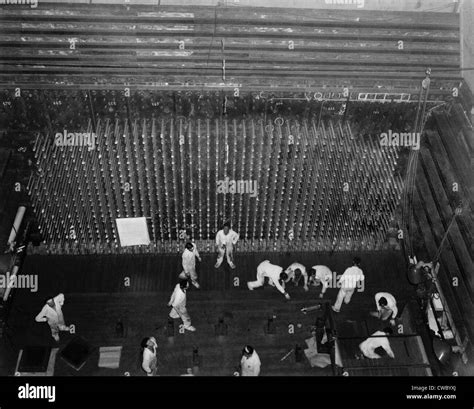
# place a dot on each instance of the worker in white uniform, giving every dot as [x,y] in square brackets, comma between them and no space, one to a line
[386,307]
[149,361]
[226,239]
[250,363]
[52,314]
[320,275]
[294,271]
[348,282]
[377,340]
[178,305]
[275,275]
[190,254]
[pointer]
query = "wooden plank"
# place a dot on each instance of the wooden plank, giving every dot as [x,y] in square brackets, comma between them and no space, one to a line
[446,212]
[131,64]
[462,311]
[138,39]
[287,15]
[448,177]
[233,44]
[434,218]
[215,71]
[463,290]
[145,82]
[460,160]
[442,67]
[226,32]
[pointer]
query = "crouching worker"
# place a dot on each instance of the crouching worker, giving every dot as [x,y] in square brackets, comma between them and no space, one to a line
[386,307]
[377,340]
[320,275]
[274,274]
[294,272]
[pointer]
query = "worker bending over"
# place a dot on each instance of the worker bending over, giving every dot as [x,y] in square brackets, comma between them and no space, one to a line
[320,275]
[275,275]
[386,307]
[377,340]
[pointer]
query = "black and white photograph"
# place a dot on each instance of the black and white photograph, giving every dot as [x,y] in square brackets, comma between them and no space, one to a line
[269,198]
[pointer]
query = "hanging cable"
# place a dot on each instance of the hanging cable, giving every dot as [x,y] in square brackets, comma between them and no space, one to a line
[410,180]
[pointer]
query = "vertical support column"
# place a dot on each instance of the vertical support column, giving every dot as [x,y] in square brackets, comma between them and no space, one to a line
[242,211]
[216,202]
[275,177]
[233,160]
[140,158]
[200,180]
[166,180]
[259,170]
[208,180]
[157,183]
[191,173]
[182,202]
[174,170]
[150,197]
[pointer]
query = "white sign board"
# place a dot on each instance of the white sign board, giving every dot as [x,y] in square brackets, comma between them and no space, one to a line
[133,231]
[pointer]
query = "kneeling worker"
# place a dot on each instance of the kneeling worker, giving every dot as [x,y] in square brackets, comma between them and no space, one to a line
[294,272]
[386,307]
[320,275]
[274,274]
[377,340]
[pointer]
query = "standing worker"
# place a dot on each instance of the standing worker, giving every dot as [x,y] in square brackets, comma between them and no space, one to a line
[178,305]
[190,254]
[250,362]
[149,362]
[348,282]
[52,314]
[226,239]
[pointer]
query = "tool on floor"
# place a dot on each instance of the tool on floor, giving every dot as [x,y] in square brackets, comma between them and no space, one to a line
[309,309]
[287,355]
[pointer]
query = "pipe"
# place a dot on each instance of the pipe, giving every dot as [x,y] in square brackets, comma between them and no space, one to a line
[20,213]
[8,289]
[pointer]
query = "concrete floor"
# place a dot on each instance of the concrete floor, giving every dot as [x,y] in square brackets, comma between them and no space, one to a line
[144,313]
